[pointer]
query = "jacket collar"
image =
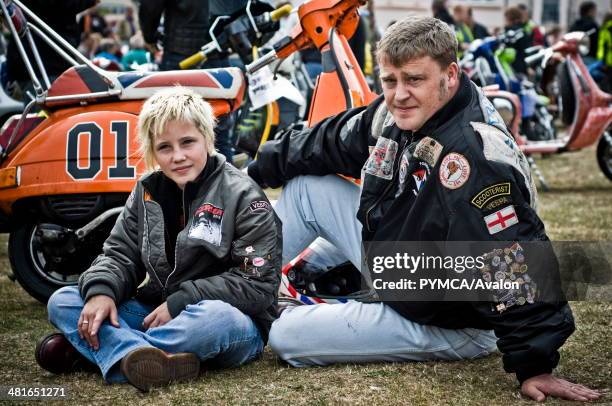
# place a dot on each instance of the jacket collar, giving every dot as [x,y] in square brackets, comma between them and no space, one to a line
[161,187]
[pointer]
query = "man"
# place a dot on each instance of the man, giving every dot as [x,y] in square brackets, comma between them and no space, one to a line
[438,7]
[514,21]
[432,122]
[586,23]
[530,26]
[462,29]
[478,30]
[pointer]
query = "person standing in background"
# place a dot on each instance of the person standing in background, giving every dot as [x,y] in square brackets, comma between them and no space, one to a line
[462,30]
[438,7]
[530,27]
[128,27]
[586,23]
[479,31]
[514,22]
[604,49]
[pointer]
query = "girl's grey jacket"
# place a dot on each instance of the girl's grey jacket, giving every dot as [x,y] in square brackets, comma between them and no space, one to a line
[229,248]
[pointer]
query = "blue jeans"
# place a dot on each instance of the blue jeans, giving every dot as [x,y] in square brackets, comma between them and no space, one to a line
[211,329]
[315,207]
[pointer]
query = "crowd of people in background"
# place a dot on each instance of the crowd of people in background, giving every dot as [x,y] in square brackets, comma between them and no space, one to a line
[518,18]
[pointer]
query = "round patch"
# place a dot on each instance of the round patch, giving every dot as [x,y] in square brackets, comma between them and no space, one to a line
[454,171]
[258,261]
[403,170]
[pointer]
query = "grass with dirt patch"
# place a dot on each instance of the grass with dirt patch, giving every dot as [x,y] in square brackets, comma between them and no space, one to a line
[578,207]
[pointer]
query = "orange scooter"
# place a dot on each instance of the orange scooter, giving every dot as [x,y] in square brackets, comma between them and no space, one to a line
[65,173]
[325,24]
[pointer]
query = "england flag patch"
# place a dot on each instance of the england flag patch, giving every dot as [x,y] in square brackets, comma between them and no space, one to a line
[501,219]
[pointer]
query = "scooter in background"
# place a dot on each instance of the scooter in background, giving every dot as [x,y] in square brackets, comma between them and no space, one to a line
[325,24]
[489,62]
[66,172]
[584,107]
[274,103]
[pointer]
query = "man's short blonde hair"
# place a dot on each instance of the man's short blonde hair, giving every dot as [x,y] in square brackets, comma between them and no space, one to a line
[173,104]
[416,37]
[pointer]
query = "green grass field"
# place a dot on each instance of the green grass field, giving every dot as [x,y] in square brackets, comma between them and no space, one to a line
[578,207]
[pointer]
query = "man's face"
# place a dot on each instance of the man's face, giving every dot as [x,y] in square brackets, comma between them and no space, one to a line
[460,16]
[417,90]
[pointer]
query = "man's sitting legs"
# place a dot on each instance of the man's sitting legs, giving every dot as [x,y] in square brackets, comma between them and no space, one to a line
[321,206]
[368,332]
[311,207]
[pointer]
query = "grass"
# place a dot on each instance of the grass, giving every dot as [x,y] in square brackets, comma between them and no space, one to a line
[578,207]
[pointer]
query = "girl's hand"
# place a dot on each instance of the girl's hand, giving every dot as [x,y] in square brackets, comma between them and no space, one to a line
[157,317]
[97,309]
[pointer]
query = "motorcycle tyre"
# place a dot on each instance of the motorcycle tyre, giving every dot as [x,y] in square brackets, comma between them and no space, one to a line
[604,149]
[23,266]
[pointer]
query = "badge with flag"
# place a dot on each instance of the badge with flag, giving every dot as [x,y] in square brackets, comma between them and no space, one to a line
[501,219]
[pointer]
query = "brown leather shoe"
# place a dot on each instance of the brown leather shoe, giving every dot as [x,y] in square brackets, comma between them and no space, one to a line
[55,354]
[147,367]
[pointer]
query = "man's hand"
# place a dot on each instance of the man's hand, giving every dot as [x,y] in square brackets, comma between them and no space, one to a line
[97,309]
[540,386]
[157,317]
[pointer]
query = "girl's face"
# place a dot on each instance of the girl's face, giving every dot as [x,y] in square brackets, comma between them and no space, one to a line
[180,152]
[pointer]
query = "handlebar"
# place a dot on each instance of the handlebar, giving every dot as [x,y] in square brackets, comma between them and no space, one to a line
[213,45]
[535,58]
[261,62]
[281,12]
[193,60]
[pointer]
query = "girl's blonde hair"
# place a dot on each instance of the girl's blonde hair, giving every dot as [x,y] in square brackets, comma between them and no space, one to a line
[173,104]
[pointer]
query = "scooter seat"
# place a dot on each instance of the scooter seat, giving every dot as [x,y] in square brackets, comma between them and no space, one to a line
[223,83]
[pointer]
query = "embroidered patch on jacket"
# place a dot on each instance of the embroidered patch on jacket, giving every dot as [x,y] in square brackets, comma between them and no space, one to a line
[454,171]
[381,159]
[420,176]
[428,150]
[497,202]
[501,220]
[403,169]
[259,205]
[403,172]
[489,193]
[207,224]
[258,261]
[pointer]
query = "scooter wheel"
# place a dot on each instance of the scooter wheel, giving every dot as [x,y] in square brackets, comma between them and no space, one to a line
[30,265]
[604,154]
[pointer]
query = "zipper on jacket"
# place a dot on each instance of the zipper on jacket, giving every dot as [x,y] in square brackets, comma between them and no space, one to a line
[389,186]
[146,221]
[165,287]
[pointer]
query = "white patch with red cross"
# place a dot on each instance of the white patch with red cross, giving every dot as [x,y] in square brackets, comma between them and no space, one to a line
[501,220]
